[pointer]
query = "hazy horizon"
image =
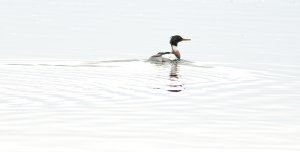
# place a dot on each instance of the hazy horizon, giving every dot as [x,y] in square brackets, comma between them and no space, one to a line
[221,30]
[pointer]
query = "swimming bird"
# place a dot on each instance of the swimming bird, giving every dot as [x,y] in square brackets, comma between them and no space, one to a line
[169,56]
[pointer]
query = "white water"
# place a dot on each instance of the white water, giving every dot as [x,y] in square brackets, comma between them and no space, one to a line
[236,90]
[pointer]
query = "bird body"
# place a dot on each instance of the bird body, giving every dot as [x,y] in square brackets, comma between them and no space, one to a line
[174,55]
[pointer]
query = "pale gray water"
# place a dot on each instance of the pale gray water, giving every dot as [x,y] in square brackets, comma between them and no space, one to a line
[74,76]
[125,105]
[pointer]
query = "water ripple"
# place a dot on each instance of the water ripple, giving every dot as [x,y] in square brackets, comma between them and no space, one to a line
[179,104]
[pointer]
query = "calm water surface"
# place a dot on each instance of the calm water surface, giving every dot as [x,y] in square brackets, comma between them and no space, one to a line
[134,105]
[237,89]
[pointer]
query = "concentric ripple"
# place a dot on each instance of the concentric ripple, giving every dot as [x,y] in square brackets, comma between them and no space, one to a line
[185,106]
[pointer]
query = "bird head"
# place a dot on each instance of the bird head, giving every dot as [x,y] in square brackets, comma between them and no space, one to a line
[176,39]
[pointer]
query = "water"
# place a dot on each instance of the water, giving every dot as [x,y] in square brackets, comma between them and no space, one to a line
[74,76]
[96,105]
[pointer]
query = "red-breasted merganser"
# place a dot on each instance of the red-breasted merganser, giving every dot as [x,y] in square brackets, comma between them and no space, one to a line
[169,56]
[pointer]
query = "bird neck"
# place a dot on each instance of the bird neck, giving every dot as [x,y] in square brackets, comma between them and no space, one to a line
[175,51]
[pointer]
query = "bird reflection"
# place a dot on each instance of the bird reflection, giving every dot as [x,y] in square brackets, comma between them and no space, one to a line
[175,85]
